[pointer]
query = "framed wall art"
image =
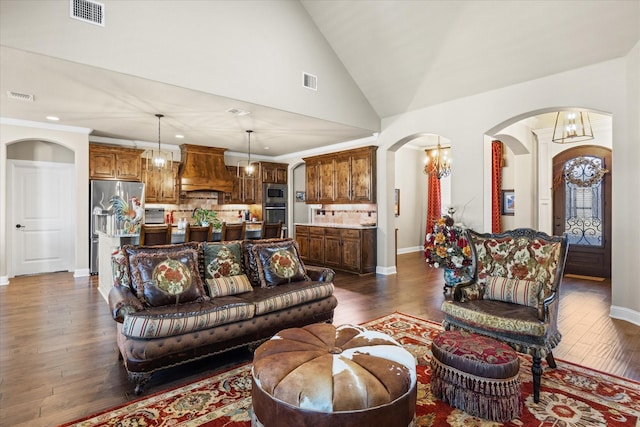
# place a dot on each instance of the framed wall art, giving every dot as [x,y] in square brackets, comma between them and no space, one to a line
[396,202]
[508,202]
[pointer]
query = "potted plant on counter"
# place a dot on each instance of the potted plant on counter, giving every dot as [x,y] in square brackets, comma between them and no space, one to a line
[204,217]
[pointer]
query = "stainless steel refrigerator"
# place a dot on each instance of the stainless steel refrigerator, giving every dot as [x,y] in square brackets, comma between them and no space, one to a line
[101,210]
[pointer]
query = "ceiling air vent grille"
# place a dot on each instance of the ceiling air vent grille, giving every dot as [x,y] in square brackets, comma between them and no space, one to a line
[310,81]
[87,11]
[20,96]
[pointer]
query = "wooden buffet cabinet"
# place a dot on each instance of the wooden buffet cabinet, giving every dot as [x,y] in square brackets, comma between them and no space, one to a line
[340,248]
[115,163]
[342,177]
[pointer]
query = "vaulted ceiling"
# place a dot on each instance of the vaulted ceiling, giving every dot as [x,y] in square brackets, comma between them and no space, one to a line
[373,59]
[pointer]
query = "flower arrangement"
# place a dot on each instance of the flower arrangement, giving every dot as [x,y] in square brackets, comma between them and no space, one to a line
[446,247]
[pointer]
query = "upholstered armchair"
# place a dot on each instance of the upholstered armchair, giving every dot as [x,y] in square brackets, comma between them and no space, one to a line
[514,293]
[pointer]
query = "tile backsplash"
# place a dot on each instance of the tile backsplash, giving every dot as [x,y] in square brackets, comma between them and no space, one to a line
[361,214]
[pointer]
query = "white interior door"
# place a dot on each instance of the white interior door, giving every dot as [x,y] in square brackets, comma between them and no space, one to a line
[41,201]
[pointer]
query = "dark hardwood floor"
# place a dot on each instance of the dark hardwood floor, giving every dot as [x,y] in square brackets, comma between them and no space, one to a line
[58,358]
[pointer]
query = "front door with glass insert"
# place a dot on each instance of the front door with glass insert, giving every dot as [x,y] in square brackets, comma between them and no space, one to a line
[582,208]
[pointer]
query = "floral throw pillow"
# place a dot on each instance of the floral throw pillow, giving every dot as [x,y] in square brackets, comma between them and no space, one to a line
[250,259]
[279,263]
[165,278]
[523,292]
[222,260]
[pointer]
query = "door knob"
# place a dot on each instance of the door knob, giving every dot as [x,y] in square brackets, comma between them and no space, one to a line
[20,226]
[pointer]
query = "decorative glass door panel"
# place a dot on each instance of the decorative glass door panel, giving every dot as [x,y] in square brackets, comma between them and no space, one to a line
[584,200]
[582,208]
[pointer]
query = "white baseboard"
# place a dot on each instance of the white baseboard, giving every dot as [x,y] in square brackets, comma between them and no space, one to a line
[624,313]
[82,272]
[410,249]
[4,280]
[101,292]
[386,271]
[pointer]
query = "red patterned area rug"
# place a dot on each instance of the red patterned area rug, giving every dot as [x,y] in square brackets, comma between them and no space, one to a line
[570,396]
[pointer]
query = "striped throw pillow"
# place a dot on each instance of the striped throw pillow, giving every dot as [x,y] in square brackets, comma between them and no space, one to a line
[523,292]
[228,285]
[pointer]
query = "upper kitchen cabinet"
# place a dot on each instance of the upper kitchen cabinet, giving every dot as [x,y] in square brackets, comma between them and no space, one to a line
[342,177]
[160,187]
[274,173]
[246,189]
[117,163]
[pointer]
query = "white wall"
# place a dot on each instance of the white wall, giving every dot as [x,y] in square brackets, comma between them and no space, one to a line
[75,139]
[240,49]
[607,87]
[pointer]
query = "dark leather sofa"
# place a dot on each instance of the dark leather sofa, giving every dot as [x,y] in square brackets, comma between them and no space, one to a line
[177,303]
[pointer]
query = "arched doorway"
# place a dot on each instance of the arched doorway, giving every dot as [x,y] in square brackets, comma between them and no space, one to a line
[582,208]
[40,214]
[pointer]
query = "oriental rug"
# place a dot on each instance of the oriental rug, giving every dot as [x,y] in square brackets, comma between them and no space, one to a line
[571,395]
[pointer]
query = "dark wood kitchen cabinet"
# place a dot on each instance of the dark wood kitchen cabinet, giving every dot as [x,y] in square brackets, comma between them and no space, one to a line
[348,249]
[245,188]
[342,177]
[274,173]
[160,187]
[115,163]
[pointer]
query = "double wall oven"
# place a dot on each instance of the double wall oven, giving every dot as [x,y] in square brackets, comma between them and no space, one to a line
[274,203]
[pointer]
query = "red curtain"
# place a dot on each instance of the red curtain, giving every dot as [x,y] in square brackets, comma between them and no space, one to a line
[433,202]
[496,185]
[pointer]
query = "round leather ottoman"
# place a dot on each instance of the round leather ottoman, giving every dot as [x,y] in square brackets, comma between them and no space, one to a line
[326,376]
[476,374]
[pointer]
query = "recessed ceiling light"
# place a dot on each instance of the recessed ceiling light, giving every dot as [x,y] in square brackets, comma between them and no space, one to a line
[180,136]
[267,148]
[53,118]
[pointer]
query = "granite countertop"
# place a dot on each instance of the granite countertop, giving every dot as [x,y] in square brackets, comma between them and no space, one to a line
[354,226]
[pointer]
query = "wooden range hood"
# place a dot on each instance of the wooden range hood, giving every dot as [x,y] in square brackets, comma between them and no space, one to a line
[203,169]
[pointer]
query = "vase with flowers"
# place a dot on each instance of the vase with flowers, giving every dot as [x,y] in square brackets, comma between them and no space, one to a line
[445,247]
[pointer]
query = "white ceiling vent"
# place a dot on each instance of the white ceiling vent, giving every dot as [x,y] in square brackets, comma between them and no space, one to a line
[20,96]
[87,11]
[309,81]
[238,111]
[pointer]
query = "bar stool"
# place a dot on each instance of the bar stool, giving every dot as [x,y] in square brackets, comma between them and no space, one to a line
[197,233]
[151,235]
[271,230]
[233,231]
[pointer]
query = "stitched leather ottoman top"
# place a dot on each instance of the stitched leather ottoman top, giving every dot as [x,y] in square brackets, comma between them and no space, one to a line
[322,375]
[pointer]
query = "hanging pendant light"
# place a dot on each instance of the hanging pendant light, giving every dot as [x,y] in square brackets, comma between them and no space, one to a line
[572,126]
[158,159]
[249,168]
[437,162]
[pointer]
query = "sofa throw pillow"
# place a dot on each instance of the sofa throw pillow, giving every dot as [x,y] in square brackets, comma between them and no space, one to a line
[230,285]
[164,278]
[222,259]
[523,292]
[131,250]
[278,263]
[250,260]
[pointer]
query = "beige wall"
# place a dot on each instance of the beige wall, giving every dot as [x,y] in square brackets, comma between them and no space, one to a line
[467,121]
